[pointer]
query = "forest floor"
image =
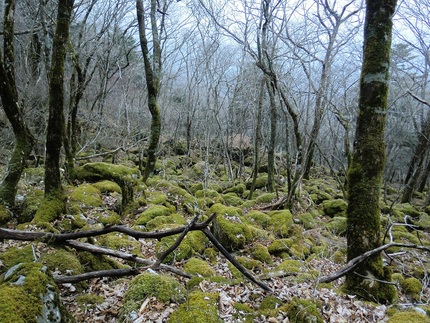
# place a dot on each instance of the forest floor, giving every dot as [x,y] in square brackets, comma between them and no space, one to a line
[314,246]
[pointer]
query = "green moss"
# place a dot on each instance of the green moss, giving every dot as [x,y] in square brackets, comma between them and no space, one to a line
[243,313]
[151,213]
[261,253]
[300,310]
[210,254]
[198,266]
[397,277]
[250,264]
[266,198]
[28,295]
[5,215]
[100,171]
[412,287]
[260,182]
[307,220]
[16,255]
[107,186]
[334,207]
[94,262]
[194,243]
[281,223]
[409,317]
[239,189]
[196,187]
[108,217]
[63,261]
[31,204]
[156,198]
[402,235]
[280,246]
[119,241]
[300,250]
[232,199]
[164,288]
[207,193]
[259,218]
[86,195]
[269,303]
[337,225]
[160,221]
[339,257]
[289,266]
[50,208]
[200,307]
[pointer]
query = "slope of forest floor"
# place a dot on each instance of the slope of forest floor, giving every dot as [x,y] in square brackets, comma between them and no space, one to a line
[287,250]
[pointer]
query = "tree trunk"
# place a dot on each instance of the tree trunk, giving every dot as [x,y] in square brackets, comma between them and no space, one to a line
[24,141]
[366,169]
[152,73]
[54,203]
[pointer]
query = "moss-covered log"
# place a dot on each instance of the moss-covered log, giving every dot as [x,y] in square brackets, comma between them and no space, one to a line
[366,169]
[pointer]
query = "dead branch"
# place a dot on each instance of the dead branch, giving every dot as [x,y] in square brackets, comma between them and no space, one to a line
[353,263]
[98,274]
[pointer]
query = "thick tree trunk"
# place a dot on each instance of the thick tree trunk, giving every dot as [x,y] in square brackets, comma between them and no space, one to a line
[55,203]
[24,141]
[366,169]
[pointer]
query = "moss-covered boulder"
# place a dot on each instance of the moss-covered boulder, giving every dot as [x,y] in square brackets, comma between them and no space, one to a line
[30,205]
[259,218]
[194,243]
[408,317]
[152,212]
[334,207]
[289,266]
[83,197]
[261,253]
[164,288]
[307,220]
[62,261]
[107,186]
[29,295]
[280,246]
[412,288]
[281,223]
[160,222]
[337,225]
[16,255]
[229,228]
[232,199]
[300,310]
[266,198]
[196,266]
[200,307]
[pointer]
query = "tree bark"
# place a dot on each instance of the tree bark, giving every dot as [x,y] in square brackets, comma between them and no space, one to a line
[24,140]
[366,169]
[54,202]
[152,73]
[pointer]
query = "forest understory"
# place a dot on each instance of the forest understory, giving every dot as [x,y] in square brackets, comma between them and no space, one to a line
[288,251]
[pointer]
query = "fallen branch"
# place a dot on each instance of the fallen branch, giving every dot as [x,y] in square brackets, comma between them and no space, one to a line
[353,263]
[98,274]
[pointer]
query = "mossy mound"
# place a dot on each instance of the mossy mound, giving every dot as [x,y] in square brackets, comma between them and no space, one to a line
[261,253]
[152,212]
[259,218]
[307,220]
[196,266]
[266,198]
[250,264]
[269,303]
[160,222]
[5,215]
[107,186]
[30,205]
[300,310]
[229,228]
[51,208]
[119,241]
[84,196]
[63,261]
[29,295]
[99,171]
[200,307]
[95,262]
[281,223]
[163,287]
[412,288]
[232,199]
[335,207]
[409,317]
[337,225]
[16,255]
[289,266]
[195,242]
[280,246]
[108,217]
[239,189]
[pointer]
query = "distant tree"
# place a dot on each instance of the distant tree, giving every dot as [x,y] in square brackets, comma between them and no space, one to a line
[371,279]
[24,140]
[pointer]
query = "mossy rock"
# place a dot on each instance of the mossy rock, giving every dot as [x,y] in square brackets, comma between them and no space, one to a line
[412,288]
[30,205]
[107,186]
[200,307]
[232,199]
[244,313]
[156,198]
[86,196]
[196,266]
[408,317]
[281,223]
[96,262]
[63,261]
[229,228]
[195,242]
[334,207]
[268,304]
[406,209]
[119,241]
[99,171]
[208,193]
[86,301]
[402,235]
[259,218]
[261,253]
[16,255]
[250,264]
[108,217]
[210,254]
[5,215]
[289,266]
[161,221]
[152,212]
[300,250]
[307,220]
[239,189]
[280,246]
[423,222]
[29,295]
[300,310]
[337,225]
[164,288]
[266,198]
